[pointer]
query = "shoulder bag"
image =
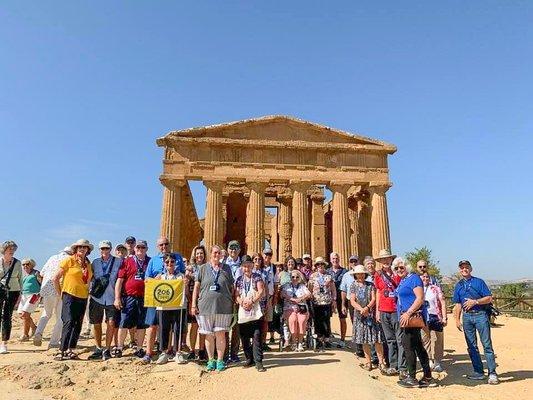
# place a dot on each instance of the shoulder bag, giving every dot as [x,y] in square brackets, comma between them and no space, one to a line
[255,313]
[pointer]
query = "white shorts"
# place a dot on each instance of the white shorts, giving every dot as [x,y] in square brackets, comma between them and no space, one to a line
[25,305]
[209,324]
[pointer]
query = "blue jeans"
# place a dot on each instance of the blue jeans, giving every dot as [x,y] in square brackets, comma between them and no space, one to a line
[479,321]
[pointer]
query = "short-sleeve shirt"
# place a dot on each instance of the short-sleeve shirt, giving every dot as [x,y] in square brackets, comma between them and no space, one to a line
[346,283]
[101,268]
[268,275]
[235,266]
[321,288]
[406,294]
[211,302]
[243,288]
[48,271]
[289,290]
[156,266]
[337,276]
[73,282]
[387,301]
[30,284]
[133,272]
[472,288]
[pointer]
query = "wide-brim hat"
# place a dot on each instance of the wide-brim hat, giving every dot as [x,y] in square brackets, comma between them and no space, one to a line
[385,253]
[81,242]
[320,260]
[358,269]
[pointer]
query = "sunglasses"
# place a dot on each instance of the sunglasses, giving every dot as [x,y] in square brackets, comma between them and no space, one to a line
[464,266]
[105,248]
[140,247]
[26,265]
[400,267]
[294,277]
[170,262]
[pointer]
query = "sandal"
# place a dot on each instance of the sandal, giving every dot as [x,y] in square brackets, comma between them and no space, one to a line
[61,356]
[367,366]
[72,356]
[382,368]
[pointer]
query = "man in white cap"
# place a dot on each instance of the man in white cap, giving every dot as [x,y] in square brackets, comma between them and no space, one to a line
[51,300]
[105,271]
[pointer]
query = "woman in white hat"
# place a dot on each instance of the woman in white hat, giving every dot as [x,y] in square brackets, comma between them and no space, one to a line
[29,299]
[76,272]
[322,287]
[366,330]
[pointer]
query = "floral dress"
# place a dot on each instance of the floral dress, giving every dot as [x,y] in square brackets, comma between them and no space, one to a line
[322,294]
[366,330]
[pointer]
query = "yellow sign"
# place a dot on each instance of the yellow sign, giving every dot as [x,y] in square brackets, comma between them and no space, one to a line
[163,293]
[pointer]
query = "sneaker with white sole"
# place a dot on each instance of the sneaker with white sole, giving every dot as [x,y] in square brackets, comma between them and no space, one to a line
[163,359]
[438,368]
[3,349]
[38,339]
[300,347]
[476,376]
[180,358]
[493,379]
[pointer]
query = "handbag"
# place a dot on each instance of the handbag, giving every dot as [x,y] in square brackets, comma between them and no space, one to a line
[416,320]
[254,313]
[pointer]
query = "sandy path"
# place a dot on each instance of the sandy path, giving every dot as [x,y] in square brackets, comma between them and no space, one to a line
[29,373]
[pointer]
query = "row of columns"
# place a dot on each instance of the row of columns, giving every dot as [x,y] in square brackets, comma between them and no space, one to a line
[294,224]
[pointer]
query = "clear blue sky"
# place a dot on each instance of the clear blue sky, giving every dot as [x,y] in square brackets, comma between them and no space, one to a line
[87,87]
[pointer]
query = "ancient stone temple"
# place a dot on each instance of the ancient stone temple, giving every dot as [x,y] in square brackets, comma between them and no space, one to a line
[284,165]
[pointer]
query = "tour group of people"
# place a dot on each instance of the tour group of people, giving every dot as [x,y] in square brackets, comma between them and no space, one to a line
[233,301]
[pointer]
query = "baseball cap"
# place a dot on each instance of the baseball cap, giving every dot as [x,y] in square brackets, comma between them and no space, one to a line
[354,258]
[306,256]
[463,262]
[105,244]
[234,245]
[130,239]
[246,258]
[298,261]
[141,243]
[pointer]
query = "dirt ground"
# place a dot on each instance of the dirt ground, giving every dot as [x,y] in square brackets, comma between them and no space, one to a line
[29,373]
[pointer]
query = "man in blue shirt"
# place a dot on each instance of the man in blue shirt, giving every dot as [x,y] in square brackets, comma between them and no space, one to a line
[156,266]
[472,298]
[422,268]
[104,268]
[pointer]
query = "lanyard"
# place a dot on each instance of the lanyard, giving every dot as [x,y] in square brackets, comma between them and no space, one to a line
[216,274]
[140,265]
[294,289]
[247,285]
[321,280]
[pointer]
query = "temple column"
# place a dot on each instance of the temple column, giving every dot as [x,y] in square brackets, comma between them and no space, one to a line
[318,226]
[364,230]
[171,215]
[341,227]
[380,220]
[354,225]
[255,218]
[213,215]
[300,219]
[285,226]
[274,237]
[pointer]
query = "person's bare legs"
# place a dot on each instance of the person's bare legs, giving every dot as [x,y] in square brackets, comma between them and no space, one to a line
[152,334]
[122,333]
[110,333]
[193,332]
[210,346]
[343,328]
[139,338]
[97,329]
[368,358]
[379,352]
[220,338]
[25,324]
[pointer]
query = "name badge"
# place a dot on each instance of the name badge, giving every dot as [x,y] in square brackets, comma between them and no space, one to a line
[321,290]
[138,278]
[214,288]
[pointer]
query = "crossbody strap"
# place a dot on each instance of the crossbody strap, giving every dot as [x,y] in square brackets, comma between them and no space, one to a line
[9,272]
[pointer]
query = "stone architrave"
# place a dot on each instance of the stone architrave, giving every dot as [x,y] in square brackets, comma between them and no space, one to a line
[380,219]
[213,214]
[318,225]
[255,218]
[285,226]
[300,219]
[341,223]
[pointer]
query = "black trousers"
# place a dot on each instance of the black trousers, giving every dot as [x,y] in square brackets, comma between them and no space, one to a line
[72,314]
[171,321]
[322,320]
[250,333]
[7,305]
[413,348]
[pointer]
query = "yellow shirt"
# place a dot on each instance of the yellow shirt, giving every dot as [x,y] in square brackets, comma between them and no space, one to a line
[73,283]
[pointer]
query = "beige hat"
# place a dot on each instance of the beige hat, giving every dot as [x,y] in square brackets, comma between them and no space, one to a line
[385,253]
[81,242]
[320,260]
[358,269]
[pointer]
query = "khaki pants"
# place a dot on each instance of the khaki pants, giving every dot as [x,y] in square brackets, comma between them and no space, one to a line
[434,344]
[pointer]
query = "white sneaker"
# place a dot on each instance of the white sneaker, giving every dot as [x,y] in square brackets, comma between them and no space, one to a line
[163,359]
[3,349]
[300,347]
[493,379]
[431,364]
[180,358]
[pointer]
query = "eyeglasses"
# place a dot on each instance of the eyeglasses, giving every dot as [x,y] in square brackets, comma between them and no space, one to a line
[400,267]
[105,248]
[422,266]
[464,266]
[26,265]
[170,262]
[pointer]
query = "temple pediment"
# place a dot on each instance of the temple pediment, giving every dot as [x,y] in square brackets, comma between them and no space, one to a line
[274,131]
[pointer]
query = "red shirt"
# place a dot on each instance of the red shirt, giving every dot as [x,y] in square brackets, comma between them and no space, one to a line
[132,272]
[386,303]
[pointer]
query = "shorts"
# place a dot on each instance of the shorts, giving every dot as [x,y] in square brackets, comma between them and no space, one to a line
[339,306]
[209,324]
[28,303]
[133,313]
[97,310]
[151,317]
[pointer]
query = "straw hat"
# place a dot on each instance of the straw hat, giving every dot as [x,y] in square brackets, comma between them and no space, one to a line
[320,260]
[358,269]
[81,242]
[385,253]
